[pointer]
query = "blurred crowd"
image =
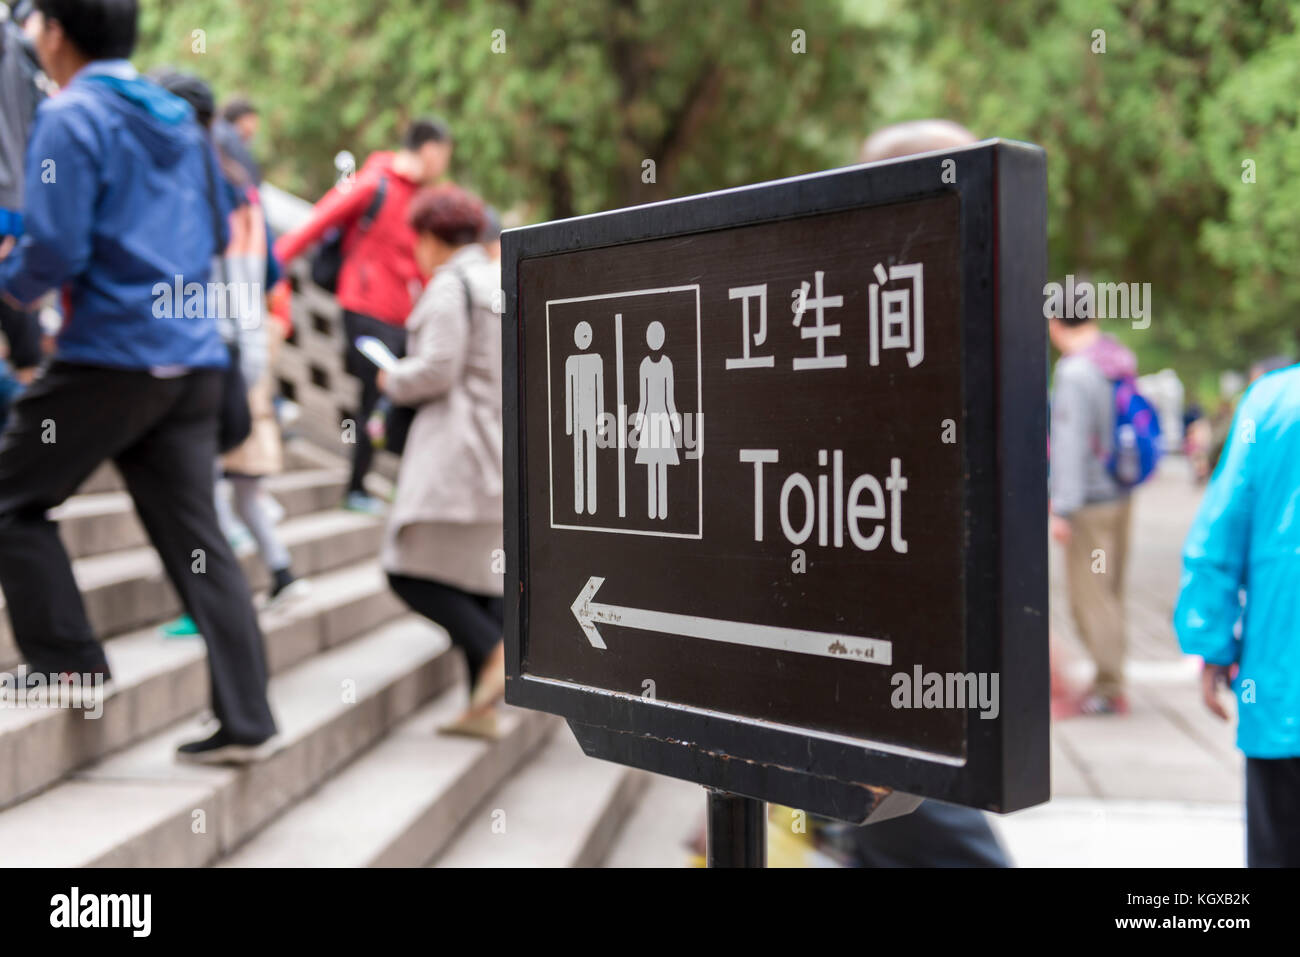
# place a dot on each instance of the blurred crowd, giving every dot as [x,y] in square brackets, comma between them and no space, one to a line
[144,305]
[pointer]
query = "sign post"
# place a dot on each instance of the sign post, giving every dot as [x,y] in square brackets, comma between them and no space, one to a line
[737,830]
[776,487]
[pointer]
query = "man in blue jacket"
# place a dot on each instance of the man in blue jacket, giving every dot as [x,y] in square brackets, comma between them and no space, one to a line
[119,213]
[1246,541]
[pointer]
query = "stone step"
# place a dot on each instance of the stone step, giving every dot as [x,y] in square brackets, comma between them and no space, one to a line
[104,479]
[102,522]
[401,803]
[141,808]
[563,809]
[329,453]
[662,828]
[159,681]
[128,589]
[298,454]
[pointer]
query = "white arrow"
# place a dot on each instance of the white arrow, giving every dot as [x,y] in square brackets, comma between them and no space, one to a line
[825,644]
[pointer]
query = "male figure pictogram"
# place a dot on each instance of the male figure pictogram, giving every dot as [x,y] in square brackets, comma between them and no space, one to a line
[584,405]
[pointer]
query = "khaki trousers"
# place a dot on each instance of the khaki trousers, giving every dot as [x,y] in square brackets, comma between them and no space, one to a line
[1094,571]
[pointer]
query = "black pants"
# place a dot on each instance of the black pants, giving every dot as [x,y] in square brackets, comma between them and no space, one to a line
[366,372]
[1273,812]
[933,835]
[473,621]
[162,434]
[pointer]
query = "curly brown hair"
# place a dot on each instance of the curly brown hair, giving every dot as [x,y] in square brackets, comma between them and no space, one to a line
[448,212]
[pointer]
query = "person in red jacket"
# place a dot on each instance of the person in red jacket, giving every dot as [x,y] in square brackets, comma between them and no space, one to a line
[379,279]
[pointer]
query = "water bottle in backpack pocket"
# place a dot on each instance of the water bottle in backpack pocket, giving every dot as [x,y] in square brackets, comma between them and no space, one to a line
[1135,443]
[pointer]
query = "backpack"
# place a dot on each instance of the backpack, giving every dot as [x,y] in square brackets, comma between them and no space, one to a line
[1135,442]
[328,260]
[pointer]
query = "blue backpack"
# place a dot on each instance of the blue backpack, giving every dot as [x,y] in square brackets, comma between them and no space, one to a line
[1135,444]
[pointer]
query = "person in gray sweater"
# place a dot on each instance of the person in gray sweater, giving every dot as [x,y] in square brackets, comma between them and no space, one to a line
[1091,512]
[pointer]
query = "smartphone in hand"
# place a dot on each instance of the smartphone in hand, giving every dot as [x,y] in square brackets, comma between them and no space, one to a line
[375,350]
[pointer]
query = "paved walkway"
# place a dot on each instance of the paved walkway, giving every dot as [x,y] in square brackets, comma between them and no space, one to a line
[1161,786]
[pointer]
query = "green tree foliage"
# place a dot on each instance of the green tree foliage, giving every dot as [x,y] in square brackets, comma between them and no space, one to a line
[1146,143]
[559,104]
[1252,132]
[556,104]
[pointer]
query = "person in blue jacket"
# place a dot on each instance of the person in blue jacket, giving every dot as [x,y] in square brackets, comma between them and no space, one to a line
[1239,606]
[119,212]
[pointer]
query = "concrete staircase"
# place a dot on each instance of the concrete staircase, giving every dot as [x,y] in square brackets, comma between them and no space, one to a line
[358,686]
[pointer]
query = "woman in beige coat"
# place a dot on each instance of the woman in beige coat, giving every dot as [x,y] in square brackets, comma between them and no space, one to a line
[443,548]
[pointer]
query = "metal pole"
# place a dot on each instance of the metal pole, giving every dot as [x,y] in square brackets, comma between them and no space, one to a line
[737,830]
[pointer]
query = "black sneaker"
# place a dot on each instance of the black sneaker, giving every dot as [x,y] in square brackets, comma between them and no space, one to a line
[220,748]
[285,589]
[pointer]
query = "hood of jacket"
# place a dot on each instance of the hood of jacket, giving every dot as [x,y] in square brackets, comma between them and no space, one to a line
[156,118]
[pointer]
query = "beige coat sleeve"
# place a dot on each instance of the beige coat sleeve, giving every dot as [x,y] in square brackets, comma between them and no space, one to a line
[436,346]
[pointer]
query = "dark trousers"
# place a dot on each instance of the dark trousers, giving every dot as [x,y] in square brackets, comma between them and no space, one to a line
[162,434]
[366,372]
[1273,812]
[473,621]
[933,835]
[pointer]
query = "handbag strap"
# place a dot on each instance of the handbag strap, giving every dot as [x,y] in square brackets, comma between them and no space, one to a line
[469,296]
[376,204]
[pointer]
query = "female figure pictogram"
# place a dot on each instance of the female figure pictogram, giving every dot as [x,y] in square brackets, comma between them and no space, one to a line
[657,422]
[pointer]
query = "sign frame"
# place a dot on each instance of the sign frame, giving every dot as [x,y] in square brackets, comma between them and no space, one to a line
[1001,186]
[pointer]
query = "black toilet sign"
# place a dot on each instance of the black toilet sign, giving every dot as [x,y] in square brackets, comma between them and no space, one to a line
[776,469]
